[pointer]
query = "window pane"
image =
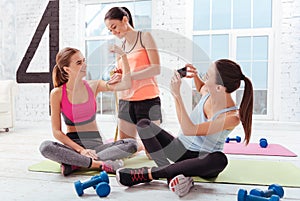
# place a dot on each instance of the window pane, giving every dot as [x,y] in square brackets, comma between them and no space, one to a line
[243,51]
[241,14]
[201,59]
[99,59]
[246,68]
[220,47]
[221,14]
[201,14]
[141,12]
[262,13]
[94,20]
[260,48]
[260,75]
[260,101]
[201,44]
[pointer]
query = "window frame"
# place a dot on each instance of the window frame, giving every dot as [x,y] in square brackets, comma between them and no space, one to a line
[250,32]
[82,5]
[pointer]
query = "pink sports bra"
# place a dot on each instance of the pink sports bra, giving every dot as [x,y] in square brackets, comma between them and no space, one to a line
[78,114]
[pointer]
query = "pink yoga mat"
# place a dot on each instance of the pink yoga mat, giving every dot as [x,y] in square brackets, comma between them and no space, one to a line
[255,149]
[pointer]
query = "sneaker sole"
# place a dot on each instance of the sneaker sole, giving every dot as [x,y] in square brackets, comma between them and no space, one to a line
[181,185]
[118,176]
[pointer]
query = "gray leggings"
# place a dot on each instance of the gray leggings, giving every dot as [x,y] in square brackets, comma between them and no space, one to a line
[90,140]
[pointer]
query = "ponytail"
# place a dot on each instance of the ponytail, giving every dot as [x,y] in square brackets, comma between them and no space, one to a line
[130,21]
[63,57]
[230,76]
[246,109]
[59,78]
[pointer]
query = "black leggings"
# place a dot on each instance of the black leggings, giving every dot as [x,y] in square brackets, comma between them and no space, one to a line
[163,147]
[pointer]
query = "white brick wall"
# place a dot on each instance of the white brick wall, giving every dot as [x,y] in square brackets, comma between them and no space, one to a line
[289,62]
[33,99]
[19,19]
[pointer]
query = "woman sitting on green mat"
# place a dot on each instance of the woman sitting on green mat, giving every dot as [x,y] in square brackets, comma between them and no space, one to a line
[197,151]
[74,99]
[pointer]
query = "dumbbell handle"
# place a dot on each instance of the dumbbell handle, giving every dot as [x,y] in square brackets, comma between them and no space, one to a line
[242,196]
[91,182]
[274,189]
[257,198]
[266,193]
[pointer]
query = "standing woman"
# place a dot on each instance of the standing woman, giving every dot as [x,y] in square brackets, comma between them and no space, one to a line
[142,100]
[73,98]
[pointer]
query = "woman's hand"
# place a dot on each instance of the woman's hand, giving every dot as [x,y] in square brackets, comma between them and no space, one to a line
[115,78]
[116,49]
[175,84]
[191,71]
[89,153]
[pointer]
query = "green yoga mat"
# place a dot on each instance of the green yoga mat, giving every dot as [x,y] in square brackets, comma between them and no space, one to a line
[251,172]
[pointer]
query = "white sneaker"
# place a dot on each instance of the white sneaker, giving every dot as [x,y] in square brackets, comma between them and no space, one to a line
[181,185]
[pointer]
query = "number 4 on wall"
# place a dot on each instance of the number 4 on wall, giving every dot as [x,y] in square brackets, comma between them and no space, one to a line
[51,18]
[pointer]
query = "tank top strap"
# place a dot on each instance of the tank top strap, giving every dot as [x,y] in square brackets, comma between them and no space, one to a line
[141,41]
[223,111]
[138,37]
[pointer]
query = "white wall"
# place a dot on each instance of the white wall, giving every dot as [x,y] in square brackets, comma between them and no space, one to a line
[289,62]
[19,19]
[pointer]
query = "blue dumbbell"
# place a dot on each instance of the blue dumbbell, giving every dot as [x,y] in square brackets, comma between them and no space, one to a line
[102,189]
[242,196]
[104,177]
[100,183]
[237,138]
[273,189]
[263,143]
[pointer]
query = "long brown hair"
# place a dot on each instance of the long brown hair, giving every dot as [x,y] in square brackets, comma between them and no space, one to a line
[117,13]
[63,57]
[230,76]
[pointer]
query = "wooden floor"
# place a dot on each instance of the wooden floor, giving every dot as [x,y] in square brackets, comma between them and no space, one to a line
[19,150]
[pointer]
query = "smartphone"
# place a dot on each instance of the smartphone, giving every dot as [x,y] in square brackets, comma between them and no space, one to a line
[182,72]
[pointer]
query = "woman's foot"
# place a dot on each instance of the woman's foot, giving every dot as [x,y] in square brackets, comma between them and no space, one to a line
[181,185]
[132,176]
[68,169]
[110,166]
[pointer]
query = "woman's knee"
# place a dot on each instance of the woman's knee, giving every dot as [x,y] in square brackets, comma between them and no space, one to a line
[143,123]
[221,158]
[131,144]
[46,147]
[147,129]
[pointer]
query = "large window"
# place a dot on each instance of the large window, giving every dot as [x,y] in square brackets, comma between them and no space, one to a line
[240,30]
[97,39]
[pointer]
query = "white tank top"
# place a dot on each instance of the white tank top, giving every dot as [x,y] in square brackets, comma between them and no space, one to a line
[209,143]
